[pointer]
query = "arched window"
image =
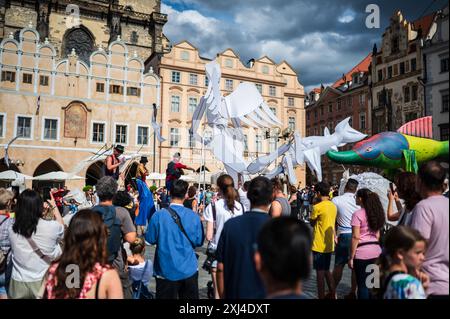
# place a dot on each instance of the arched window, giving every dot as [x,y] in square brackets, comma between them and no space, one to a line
[80,39]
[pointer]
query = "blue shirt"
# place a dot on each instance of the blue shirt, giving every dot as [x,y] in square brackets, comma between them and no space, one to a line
[175,258]
[236,251]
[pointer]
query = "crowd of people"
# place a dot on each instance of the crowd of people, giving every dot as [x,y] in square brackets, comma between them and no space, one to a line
[264,238]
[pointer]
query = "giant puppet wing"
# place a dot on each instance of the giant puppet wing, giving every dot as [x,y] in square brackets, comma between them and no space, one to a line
[246,106]
[243,106]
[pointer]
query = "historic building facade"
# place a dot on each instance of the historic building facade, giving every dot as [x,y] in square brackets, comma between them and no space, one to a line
[326,107]
[84,25]
[63,110]
[436,76]
[183,82]
[398,94]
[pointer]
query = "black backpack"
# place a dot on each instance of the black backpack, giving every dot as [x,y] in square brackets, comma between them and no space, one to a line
[113,224]
[171,170]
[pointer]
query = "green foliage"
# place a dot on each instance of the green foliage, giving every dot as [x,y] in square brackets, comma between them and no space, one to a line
[87,188]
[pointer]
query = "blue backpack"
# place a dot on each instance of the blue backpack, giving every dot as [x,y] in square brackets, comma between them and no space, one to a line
[113,224]
[140,291]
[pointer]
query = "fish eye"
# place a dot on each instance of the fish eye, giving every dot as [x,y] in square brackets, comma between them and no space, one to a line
[369,149]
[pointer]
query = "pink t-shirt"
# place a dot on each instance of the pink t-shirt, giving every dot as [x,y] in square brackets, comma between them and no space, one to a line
[359,219]
[430,218]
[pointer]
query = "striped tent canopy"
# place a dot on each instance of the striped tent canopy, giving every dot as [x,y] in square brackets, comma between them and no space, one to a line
[422,127]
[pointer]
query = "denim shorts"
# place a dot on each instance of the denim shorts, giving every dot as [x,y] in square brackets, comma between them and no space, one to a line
[342,252]
[321,261]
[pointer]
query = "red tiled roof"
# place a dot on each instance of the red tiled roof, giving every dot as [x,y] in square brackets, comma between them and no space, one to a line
[362,66]
[424,23]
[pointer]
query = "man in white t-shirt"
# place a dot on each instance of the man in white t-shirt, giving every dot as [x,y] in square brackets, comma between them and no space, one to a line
[346,206]
[243,196]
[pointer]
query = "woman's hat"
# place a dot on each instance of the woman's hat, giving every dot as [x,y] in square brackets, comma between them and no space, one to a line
[119,148]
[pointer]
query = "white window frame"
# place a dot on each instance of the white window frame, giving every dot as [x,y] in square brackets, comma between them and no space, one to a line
[291,101]
[128,133]
[3,132]
[229,81]
[104,133]
[274,92]
[171,103]
[192,142]
[58,121]
[259,143]
[16,122]
[360,121]
[289,123]
[137,134]
[265,69]
[189,103]
[191,77]
[259,85]
[171,76]
[177,134]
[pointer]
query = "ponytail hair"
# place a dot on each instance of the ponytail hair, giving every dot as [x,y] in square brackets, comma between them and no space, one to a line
[226,186]
[374,210]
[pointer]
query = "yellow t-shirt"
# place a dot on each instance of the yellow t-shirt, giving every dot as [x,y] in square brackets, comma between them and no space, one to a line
[324,215]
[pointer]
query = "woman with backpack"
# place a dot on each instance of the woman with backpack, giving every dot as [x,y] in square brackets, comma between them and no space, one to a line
[34,244]
[216,215]
[84,247]
[365,246]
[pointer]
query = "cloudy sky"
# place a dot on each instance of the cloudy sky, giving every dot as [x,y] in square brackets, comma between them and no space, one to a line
[321,39]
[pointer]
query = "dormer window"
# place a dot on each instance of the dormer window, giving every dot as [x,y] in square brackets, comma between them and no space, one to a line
[185,55]
[134,37]
[265,69]
[395,45]
[229,63]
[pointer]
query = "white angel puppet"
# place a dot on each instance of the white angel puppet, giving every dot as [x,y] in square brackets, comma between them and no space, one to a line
[244,105]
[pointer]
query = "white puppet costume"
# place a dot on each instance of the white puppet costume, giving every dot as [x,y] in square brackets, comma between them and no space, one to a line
[246,105]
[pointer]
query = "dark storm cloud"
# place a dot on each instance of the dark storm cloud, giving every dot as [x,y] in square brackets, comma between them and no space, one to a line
[320,39]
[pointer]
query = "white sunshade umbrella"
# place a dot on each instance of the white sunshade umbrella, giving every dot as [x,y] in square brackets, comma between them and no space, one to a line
[57,176]
[197,178]
[156,176]
[189,178]
[11,175]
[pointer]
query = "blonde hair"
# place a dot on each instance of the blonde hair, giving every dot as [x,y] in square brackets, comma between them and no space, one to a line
[6,197]
[138,246]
